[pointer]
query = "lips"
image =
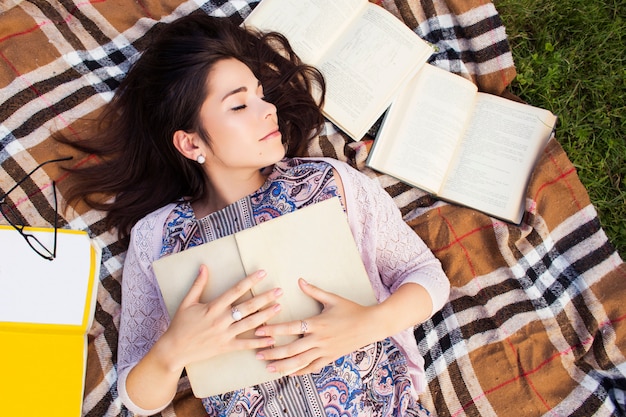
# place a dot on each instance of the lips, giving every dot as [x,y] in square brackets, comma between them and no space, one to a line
[273,134]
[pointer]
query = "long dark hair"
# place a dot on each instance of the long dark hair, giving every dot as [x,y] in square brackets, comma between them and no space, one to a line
[163,92]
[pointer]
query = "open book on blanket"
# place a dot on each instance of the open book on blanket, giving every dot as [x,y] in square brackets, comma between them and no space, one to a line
[314,243]
[364,52]
[46,311]
[467,147]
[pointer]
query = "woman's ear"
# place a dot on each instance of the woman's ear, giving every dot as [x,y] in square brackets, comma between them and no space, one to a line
[184,143]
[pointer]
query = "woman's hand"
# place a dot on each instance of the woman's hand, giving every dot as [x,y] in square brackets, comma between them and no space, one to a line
[342,327]
[199,331]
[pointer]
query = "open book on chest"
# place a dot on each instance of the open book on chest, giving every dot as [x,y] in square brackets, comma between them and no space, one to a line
[314,243]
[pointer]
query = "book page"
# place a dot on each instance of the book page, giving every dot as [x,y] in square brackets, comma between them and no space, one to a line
[375,56]
[422,128]
[46,311]
[497,155]
[176,273]
[36,290]
[314,243]
[310,25]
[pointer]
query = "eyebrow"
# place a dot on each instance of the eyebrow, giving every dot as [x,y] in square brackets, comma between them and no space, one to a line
[238,90]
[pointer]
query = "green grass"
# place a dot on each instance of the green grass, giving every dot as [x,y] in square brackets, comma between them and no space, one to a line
[570,57]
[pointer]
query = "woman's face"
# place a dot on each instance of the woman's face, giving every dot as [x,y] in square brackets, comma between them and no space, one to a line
[242,126]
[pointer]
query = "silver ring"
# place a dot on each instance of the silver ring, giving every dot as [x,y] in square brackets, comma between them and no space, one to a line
[236,313]
[304,326]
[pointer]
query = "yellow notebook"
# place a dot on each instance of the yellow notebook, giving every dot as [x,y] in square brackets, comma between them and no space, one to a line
[46,310]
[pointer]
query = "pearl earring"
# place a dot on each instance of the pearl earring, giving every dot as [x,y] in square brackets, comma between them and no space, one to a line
[201,159]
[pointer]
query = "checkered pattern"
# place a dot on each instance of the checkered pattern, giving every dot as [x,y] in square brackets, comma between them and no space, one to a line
[535,323]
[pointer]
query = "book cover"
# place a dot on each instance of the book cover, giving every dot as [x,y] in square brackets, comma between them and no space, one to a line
[46,311]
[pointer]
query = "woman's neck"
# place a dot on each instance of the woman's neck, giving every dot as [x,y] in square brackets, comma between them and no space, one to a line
[224,190]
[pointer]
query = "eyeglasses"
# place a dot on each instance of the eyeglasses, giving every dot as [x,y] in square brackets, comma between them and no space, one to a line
[14,219]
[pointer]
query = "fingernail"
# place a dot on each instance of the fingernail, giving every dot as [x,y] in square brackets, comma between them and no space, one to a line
[259,332]
[271,369]
[276,307]
[260,356]
[304,281]
[261,273]
[278,292]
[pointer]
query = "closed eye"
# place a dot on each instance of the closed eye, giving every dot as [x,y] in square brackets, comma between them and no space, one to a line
[243,90]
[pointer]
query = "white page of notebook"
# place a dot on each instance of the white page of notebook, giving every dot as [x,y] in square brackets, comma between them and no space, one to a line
[36,290]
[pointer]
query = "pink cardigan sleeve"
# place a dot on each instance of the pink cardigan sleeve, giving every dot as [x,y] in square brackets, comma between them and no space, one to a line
[393,254]
[144,316]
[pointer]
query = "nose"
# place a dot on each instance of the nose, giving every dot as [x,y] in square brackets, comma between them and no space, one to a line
[269,109]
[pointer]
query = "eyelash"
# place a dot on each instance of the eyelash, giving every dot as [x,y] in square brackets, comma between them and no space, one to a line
[243,106]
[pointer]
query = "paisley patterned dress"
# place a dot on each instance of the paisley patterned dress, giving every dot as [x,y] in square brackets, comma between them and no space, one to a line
[372,381]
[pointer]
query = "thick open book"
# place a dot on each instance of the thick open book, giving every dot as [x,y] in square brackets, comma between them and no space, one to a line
[470,148]
[364,52]
[46,311]
[314,243]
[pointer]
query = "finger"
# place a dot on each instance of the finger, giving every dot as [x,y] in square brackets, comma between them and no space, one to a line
[239,289]
[284,329]
[195,292]
[284,352]
[253,343]
[292,364]
[256,319]
[323,297]
[314,367]
[258,302]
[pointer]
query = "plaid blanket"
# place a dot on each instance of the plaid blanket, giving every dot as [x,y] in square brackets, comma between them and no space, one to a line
[535,321]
